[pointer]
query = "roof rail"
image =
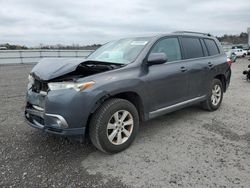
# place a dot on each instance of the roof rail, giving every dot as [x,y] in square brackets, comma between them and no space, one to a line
[191,32]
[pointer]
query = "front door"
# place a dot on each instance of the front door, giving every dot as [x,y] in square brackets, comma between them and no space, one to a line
[167,83]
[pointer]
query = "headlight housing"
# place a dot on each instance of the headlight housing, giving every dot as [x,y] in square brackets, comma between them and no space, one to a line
[31,81]
[70,85]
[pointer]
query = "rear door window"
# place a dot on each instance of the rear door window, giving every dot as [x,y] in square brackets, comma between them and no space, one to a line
[211,47]
[192,47]
[169,46]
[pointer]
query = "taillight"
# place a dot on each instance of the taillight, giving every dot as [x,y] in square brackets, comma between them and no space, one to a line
[229,61]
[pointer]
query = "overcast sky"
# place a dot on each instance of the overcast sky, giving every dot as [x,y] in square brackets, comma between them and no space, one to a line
[31,22]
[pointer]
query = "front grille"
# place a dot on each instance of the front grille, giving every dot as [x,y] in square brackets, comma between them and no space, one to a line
[39,86]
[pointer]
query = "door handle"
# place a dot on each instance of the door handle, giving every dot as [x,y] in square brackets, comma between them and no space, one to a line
[210,64]
[183,69]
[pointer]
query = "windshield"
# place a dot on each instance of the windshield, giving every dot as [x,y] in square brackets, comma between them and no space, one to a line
[123,51]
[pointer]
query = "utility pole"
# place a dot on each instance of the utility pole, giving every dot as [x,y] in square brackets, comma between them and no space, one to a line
[248,32]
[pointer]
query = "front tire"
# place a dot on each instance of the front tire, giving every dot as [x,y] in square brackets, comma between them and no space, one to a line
[114,125]
[215,96]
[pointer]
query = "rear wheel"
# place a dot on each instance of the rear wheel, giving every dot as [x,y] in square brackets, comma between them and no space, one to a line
[114,125]
[215,96]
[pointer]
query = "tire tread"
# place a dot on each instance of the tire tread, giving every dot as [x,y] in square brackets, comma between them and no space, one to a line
[206,105]
[96,120]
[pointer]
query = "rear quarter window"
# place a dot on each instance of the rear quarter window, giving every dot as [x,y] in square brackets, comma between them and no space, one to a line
[211,47]
[192,47]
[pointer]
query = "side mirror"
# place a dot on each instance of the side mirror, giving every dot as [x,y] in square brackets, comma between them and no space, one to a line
[157,58]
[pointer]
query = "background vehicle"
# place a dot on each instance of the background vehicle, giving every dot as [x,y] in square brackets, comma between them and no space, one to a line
[125,82]
[3,48]
[248,52]
[237,47]
[239,52]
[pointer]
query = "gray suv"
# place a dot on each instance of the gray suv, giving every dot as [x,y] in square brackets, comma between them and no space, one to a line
[124,82]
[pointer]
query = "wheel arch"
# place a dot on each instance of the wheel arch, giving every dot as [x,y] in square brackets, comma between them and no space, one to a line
[131,96]
[222,78]
[135,99]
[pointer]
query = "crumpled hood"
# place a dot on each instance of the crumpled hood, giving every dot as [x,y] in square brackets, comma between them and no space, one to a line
[50,68]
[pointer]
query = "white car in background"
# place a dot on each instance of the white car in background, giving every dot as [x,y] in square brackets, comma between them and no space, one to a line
[239,52]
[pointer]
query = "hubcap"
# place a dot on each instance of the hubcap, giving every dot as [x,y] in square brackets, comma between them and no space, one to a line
[120,127]
[216,95]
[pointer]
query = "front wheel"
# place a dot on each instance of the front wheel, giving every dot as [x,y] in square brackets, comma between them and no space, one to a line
[114,125]
[215,96]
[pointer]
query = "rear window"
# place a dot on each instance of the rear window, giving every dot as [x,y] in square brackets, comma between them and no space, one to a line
[211,47]
[192,47]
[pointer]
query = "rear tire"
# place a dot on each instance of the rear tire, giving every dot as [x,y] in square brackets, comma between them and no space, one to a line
[215,96]
[114,125]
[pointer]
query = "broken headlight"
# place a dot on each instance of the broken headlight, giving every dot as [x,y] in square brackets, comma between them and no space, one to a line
[70,85]
[31,81]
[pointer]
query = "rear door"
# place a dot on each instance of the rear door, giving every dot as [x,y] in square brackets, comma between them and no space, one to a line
[214,60]
[197,65]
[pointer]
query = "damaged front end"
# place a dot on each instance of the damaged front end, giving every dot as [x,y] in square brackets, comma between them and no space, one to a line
[54,101]
[51,70]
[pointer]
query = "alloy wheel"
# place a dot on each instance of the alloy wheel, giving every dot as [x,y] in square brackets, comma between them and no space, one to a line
[216,95]
[120,127]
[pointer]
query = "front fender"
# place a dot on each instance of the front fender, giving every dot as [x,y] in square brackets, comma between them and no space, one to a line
[113,89]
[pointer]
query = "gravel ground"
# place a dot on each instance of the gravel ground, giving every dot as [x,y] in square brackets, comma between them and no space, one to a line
[187,148]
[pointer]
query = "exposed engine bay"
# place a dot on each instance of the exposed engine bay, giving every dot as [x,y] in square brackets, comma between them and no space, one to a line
[86,69]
